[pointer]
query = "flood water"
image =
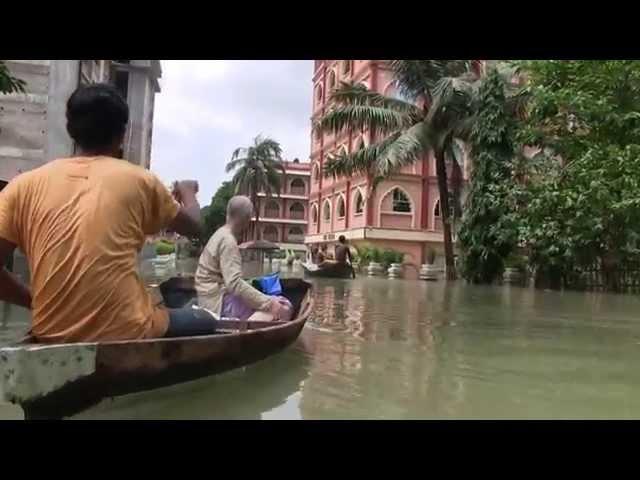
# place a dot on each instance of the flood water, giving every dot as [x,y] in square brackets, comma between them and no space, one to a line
[399,349]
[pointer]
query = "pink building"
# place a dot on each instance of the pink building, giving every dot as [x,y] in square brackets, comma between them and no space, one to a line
[404,211]
[283,219]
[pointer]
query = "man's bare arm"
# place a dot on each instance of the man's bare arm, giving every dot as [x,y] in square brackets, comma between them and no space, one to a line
[188,220]
[12,290]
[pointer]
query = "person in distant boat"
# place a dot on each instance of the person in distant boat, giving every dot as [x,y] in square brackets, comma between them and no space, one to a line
[343,254]
[322,257]
[219,282]
[81,222]
[313,254]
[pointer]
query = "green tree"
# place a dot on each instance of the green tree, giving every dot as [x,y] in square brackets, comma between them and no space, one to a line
[582,208]
[9,83]
[258,169]
[215,214]
[489,229]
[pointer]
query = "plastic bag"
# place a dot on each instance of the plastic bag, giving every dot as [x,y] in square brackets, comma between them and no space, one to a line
[270,284]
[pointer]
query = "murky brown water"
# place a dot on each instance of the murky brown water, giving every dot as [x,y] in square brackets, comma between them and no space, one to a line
[397,349]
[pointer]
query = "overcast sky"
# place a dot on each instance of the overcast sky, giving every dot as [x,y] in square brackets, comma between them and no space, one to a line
[207,108]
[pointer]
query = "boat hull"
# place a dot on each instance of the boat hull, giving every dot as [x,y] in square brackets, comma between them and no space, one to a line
[56,381]
[337,270]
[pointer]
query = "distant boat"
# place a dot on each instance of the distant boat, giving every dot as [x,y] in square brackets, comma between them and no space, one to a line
[333,270]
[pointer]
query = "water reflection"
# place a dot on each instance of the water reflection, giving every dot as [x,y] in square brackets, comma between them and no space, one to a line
[379,348]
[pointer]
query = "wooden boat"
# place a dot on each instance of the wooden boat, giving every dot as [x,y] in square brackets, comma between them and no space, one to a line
[335,270]
[57,381]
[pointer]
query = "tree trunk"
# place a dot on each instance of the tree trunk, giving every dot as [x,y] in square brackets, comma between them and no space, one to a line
[445,213]
[256,231]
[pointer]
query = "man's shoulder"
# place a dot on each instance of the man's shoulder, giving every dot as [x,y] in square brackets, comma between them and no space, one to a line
[223,236]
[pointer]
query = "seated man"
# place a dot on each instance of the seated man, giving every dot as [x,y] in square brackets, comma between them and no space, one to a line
[81,222]
[219,282]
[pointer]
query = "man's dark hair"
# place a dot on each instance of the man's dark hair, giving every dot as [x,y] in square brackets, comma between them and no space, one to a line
[97,115]
[342,239]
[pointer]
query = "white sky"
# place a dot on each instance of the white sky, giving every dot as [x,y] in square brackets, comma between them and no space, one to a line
[208,108]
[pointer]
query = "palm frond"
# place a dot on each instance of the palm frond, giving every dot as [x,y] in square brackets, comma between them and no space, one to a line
[358,117]
[350,94]
[363,160]
[409,147]
[235,163]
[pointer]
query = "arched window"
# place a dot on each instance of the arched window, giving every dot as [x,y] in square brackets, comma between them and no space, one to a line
[272,209]
[316,173]
[332,80]
[341,207]
[297,187]
[317,135]
[401,202]
[296,211]
[314,213]
[319,93]
[360,143]
[295,234]
[437,217]
[270,233]
[346,67]
[326,211]
[359,202]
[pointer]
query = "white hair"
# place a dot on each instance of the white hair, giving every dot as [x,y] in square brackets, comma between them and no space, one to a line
[239,208]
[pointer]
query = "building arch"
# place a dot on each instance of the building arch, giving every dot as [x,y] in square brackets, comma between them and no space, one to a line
[346,67]
[318,93]
[296,211]
[341,207]
[436,215]
[272,209]
[297,187]
[401,204]
[270,233]
[326,211]
[295,233]
[315,175]
[358,201]
[333,80]
[314,213]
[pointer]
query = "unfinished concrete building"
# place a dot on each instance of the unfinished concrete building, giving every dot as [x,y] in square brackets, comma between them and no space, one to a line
[33,125]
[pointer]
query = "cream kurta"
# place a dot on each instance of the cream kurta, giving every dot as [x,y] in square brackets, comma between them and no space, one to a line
[220,271]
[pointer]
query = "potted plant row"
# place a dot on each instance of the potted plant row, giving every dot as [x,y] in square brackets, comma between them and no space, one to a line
[429,271]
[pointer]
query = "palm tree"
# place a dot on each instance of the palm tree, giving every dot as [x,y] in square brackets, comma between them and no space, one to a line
[441,101]
[259,169]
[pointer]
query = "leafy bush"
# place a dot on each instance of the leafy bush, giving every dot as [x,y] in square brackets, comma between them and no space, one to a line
[165,248]
[376,255]
[516,261]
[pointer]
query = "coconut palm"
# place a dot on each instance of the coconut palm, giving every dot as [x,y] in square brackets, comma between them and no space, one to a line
[441,98]
[258,169]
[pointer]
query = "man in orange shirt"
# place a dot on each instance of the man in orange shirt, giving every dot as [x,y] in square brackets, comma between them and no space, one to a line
[81,222]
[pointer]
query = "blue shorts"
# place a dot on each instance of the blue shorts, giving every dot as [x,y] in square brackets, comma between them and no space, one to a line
[189,322]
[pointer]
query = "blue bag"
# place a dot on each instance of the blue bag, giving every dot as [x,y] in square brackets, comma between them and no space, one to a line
[270,284]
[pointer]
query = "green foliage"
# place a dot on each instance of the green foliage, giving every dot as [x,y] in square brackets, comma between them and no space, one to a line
[488,233]
[214,215]
[364,254]
[164,247]
[8,83]
[258,167]
[581,190]
[376,255]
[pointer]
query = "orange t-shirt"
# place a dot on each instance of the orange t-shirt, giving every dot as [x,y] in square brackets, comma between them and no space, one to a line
[81,223]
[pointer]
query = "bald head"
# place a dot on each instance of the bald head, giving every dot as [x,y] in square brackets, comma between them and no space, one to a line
[239,209]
